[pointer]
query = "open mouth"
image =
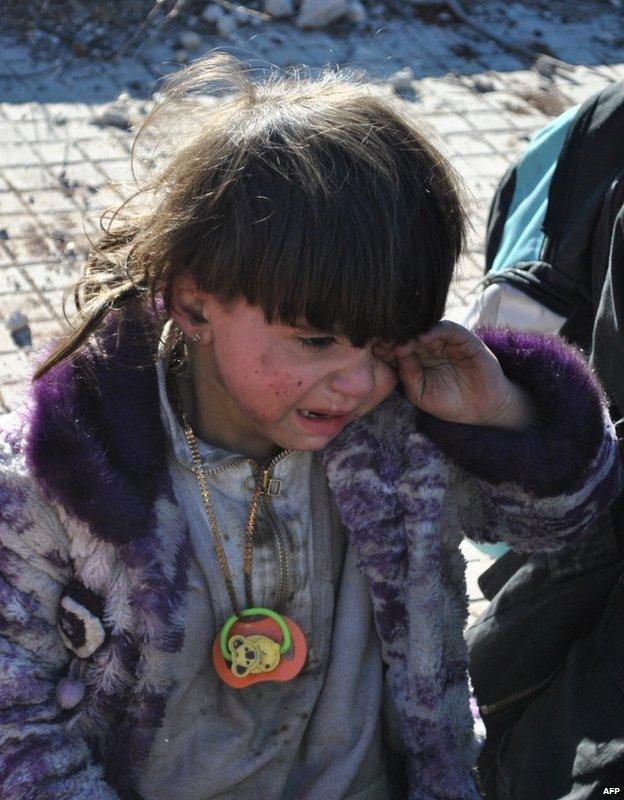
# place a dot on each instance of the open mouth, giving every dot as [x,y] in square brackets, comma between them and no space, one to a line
[322,423]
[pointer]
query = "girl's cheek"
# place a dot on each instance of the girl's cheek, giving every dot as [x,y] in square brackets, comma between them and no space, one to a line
[279,389]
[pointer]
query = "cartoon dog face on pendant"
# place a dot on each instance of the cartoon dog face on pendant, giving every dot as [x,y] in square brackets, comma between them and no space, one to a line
[253,654]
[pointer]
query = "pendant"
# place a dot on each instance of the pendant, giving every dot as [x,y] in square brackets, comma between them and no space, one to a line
[271,647]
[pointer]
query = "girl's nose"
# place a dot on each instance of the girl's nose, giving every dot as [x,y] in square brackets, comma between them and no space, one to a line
[357,379]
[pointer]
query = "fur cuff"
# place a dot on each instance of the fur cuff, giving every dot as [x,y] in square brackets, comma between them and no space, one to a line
[552,457]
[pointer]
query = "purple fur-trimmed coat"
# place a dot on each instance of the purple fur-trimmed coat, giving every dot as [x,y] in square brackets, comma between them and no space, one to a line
[87,511]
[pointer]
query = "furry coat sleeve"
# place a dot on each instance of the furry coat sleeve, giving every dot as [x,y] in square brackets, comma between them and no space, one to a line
[39,756]
[541,488]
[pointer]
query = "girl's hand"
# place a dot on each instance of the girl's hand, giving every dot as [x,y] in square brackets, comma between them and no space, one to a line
[450,373]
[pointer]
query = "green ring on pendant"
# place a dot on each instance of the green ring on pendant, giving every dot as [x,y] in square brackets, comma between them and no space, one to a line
[254,612]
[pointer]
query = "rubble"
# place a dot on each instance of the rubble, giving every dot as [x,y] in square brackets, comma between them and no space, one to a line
[545,98]
[115,114]
[356,12]
[319,13]
[402,79]
[67,185]
[237,14]
[488,82]
[97,31]
[212,13]
[226,25]
[71,250]
[18,326]
[247,16]
[121,113]
[548,67]
[278,9]
[190,41]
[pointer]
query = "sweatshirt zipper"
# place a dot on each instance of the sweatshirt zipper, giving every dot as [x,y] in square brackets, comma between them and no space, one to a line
[271,487]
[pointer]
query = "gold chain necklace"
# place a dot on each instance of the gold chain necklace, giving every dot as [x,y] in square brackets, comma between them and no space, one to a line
[215,531]
[255,644]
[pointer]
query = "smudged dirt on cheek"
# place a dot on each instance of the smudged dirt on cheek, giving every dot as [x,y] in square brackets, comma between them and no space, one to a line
[282,385]
[276,382]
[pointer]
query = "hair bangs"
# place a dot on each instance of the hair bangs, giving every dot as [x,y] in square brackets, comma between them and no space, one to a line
[319,238]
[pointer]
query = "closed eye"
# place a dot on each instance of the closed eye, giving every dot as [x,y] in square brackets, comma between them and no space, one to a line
[317,341]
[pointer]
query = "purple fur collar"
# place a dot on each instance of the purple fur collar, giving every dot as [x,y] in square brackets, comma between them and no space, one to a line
[96,443]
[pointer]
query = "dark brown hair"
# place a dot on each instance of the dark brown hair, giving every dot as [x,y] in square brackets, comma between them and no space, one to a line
[313,197]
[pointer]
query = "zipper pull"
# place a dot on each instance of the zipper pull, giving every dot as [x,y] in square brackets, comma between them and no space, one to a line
[270,487]
[265,478]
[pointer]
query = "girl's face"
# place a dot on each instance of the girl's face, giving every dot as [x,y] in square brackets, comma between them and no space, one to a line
[295,388]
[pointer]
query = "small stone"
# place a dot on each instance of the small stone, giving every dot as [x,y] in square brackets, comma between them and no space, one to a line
[319,13]
[544,66]
[16,321]
[277,37]
[356,12]
[402,79]
[213,13]
[4,234]
[113,118]
[18,326]
[226,25]
[547,66]
[245,16]
[117,114]
[483,84]
[279,8]
[80,48]
[69,692]
[180,56]
[190,41]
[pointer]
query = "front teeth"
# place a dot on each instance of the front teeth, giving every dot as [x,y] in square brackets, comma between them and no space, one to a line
[312,415]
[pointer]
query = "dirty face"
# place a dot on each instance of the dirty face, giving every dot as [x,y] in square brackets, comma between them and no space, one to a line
[291,387]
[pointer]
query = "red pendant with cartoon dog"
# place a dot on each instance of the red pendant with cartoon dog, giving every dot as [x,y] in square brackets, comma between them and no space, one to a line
[254,645]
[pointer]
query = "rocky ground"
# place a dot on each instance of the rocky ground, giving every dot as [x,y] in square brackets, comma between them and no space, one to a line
[108,30]
[76,77]
[102,47]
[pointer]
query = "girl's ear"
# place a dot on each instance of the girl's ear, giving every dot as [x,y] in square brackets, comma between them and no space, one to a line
[188,304]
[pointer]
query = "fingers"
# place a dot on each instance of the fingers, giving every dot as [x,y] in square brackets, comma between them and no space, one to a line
[445,340]
[407,362]
[411,373]
[449,341]
[385,352]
